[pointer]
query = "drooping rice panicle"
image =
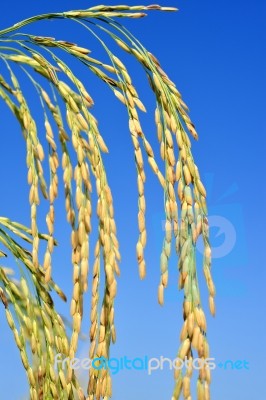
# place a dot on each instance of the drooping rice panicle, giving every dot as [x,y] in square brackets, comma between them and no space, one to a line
[81,146]
[173,113]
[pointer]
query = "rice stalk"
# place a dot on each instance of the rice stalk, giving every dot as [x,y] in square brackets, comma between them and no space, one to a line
[79,144]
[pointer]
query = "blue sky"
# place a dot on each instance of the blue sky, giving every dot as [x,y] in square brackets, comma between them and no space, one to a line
[215,53]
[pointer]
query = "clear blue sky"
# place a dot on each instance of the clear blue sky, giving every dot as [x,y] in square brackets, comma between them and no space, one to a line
[215,52]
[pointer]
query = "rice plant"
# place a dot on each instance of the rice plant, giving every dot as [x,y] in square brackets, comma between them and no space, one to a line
[73,140]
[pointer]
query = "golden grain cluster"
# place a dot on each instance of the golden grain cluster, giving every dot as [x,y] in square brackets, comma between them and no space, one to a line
[75,145]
